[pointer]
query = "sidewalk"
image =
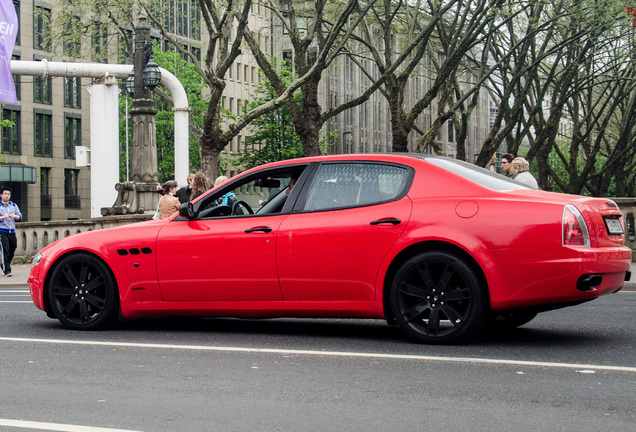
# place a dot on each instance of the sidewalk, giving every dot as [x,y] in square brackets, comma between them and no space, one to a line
[21,273]
[631,285]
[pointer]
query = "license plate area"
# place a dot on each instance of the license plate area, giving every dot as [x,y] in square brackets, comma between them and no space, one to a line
[613,225]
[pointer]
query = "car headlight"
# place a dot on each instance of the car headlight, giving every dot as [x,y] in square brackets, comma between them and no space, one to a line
[36,259]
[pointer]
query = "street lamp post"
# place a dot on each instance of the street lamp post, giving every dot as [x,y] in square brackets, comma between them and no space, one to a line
[143,152]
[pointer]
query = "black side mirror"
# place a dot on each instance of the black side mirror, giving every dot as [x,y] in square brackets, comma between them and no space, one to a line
[186,210]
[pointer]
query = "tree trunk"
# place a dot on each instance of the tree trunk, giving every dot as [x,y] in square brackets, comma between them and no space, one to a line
[210,162]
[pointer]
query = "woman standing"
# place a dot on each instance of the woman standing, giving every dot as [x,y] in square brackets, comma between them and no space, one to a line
[522,174]
[169,204]
[200,185]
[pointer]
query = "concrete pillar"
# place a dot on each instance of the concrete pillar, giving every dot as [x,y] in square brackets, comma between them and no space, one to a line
[104,126]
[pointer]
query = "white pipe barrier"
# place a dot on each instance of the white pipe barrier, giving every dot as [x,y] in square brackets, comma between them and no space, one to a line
[46,68]
[104,144]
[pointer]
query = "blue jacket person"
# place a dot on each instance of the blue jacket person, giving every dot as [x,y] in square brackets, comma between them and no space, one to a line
[9,213]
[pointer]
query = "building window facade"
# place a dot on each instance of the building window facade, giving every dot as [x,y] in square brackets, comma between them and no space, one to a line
[72,45]
[42,87]
[16,4]
[99,52]
[71,197]
[45,193]
[41,28]
[72,134]
[169,16]
[12,136]
[195,20]
[17,80]
[125,48]
[43,133]
[182,18]
[72,92]
[42,90]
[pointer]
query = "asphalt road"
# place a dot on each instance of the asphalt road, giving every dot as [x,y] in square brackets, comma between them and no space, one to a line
[573,370]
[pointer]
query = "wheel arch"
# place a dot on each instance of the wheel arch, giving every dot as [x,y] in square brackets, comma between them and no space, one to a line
[425,246]
[56,263]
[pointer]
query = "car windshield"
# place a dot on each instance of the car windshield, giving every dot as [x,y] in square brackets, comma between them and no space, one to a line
[477,174]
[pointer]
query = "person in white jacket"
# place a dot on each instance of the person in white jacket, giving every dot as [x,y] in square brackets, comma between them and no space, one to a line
[521,167]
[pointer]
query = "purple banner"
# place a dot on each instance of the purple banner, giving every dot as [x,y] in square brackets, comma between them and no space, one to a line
[8,32]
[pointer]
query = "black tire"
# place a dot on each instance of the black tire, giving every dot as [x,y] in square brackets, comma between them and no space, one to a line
[437,298]
[82,293]
[510,320]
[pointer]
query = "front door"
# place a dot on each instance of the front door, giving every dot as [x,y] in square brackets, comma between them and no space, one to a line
[219,259]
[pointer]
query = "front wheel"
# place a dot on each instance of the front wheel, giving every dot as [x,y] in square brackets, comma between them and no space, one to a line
[437,298]
[83,293]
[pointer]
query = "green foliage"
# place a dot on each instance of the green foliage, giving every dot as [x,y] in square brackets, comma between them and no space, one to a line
[193,84]
[561,171]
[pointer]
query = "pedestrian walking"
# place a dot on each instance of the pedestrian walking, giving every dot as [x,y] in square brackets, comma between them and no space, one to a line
[9,214]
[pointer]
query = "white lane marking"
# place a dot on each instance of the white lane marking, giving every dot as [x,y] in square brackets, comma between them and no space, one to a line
[3,291]
[15,301]
[56,426]
[329,354]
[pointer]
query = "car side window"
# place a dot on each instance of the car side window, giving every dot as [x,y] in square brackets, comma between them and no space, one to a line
[265,194]
[340,185]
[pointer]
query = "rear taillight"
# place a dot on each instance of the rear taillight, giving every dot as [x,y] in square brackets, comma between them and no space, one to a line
[575,231]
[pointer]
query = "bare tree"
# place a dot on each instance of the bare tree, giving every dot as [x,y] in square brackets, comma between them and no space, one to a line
[317,32]
[517,52]
[441,36]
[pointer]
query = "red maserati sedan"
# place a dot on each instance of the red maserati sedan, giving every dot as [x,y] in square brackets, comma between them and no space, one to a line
[438,246]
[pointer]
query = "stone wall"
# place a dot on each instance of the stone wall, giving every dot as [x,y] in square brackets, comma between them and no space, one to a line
[628,208]
[33,236]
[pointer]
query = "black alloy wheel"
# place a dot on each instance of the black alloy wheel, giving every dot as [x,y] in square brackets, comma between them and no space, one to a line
[437,298]
[82,292]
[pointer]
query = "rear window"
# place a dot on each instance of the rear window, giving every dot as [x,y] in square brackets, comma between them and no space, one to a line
[477,174]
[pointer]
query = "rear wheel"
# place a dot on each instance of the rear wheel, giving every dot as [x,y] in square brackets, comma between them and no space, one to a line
[83,293]
[437,298]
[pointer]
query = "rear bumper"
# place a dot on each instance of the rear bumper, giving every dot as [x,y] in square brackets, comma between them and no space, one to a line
[521,278]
